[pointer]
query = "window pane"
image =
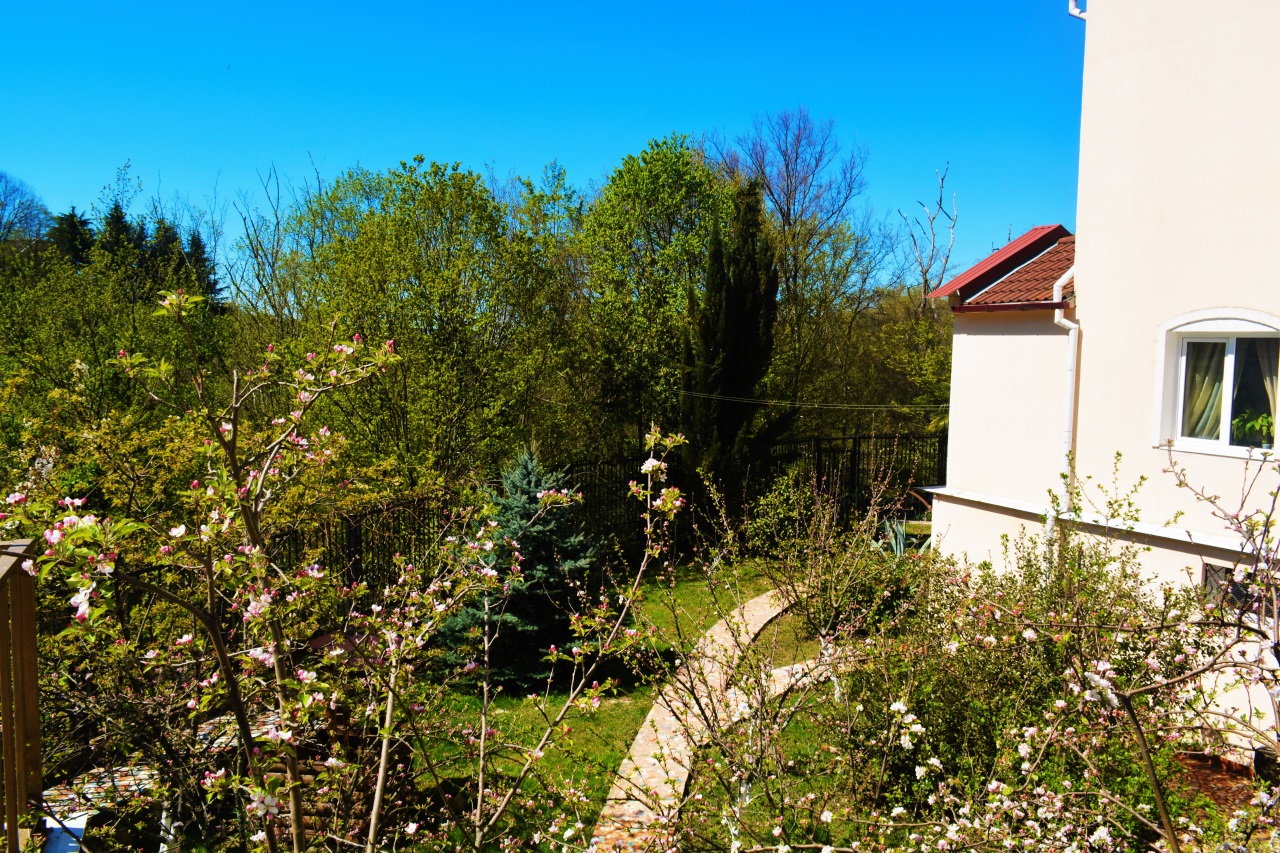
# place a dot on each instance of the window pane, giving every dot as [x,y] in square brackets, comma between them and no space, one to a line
[1202,389]
[1253,402]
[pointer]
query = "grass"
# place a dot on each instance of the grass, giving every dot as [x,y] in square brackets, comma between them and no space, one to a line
[787,640]
[682,604]
[585,757]
[687,604]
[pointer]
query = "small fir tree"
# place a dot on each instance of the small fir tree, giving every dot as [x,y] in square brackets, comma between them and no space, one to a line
[554,558]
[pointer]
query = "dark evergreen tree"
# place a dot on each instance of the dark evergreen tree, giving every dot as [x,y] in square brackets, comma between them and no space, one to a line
[202,268]
[72,235]
[555,556]
[728,350]
[164,256]
[123,244]
[118,233]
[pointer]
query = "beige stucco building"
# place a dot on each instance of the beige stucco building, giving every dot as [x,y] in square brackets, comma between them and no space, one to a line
[1163,323]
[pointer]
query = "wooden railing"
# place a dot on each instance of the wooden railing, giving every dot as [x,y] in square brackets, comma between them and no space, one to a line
[19,692]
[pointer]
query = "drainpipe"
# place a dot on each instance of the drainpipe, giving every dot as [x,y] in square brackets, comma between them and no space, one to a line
[1073,9]
[1069,397]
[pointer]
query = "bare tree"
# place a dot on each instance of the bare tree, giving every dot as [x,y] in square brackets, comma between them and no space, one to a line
[834,253]
[931,235]
[22,214]
[809,187]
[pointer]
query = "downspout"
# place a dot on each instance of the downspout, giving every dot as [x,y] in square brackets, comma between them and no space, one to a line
[1073,9]
[1069,396]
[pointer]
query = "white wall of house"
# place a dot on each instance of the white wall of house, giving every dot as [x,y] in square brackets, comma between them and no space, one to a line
[1177,214]
[1006,420]
[1011,364]
[1178,222]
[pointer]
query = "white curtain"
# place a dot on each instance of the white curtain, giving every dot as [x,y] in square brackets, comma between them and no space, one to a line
[1268,356]
[1202,389]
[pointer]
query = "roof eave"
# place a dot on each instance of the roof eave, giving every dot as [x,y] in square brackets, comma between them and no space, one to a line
[1008,306]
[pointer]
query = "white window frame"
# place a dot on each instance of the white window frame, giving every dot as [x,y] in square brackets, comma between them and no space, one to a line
[1214,324]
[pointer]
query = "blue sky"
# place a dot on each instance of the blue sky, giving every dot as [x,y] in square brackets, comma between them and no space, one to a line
[200,96]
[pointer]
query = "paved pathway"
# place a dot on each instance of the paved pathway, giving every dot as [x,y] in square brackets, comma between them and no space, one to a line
[651,781]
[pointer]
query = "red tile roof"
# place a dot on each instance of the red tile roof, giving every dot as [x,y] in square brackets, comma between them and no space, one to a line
[1016,274]
[1034,280]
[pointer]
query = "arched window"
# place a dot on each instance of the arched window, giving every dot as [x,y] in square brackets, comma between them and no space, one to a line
[1220,377]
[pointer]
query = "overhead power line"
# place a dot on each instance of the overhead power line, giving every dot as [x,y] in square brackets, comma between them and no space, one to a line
[788,403]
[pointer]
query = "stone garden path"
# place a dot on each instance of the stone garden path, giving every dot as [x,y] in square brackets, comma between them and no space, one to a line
[646,795]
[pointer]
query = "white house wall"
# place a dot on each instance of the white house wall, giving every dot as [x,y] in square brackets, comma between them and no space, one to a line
[1006,418]
[1177,213]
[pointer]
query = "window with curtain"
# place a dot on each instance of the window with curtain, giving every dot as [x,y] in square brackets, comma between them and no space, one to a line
[1229,390]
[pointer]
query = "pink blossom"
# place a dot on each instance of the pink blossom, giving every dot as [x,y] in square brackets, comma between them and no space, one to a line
[80,601]
[279,735]
[257,606]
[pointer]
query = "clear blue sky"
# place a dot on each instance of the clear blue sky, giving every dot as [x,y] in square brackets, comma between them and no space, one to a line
[199,96]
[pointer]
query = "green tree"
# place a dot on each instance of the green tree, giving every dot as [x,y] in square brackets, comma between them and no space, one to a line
[644,245]
[202,268]
[60,364]
[420,255]
[550,556]
[728,350]
[72,235]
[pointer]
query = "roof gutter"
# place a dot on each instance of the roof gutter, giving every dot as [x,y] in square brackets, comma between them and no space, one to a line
[1073,9]
[1069,393]
[983,308]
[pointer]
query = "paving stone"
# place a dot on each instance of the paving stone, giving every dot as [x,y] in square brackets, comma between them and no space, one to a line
[645,798]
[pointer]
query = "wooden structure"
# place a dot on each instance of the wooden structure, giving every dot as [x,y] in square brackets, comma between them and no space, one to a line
[19,692]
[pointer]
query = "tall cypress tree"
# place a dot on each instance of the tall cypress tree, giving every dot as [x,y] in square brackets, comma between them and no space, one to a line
[728,350]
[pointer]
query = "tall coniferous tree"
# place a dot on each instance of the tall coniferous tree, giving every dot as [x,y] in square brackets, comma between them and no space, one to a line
[72,235]
[730,346]
[202,268]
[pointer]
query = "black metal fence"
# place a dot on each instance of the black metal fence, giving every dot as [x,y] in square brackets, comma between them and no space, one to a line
[865,470]
[362,545]
[857,470]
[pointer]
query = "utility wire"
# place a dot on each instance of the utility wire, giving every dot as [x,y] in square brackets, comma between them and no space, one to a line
[849,406]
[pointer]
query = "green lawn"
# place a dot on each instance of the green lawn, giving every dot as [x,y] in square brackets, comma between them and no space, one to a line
[599,740]
[690,602]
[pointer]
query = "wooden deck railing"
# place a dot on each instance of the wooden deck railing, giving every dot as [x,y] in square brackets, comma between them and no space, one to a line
[19,692]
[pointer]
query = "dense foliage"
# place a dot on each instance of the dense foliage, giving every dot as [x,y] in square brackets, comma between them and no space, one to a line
[524,310]
[206,435]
